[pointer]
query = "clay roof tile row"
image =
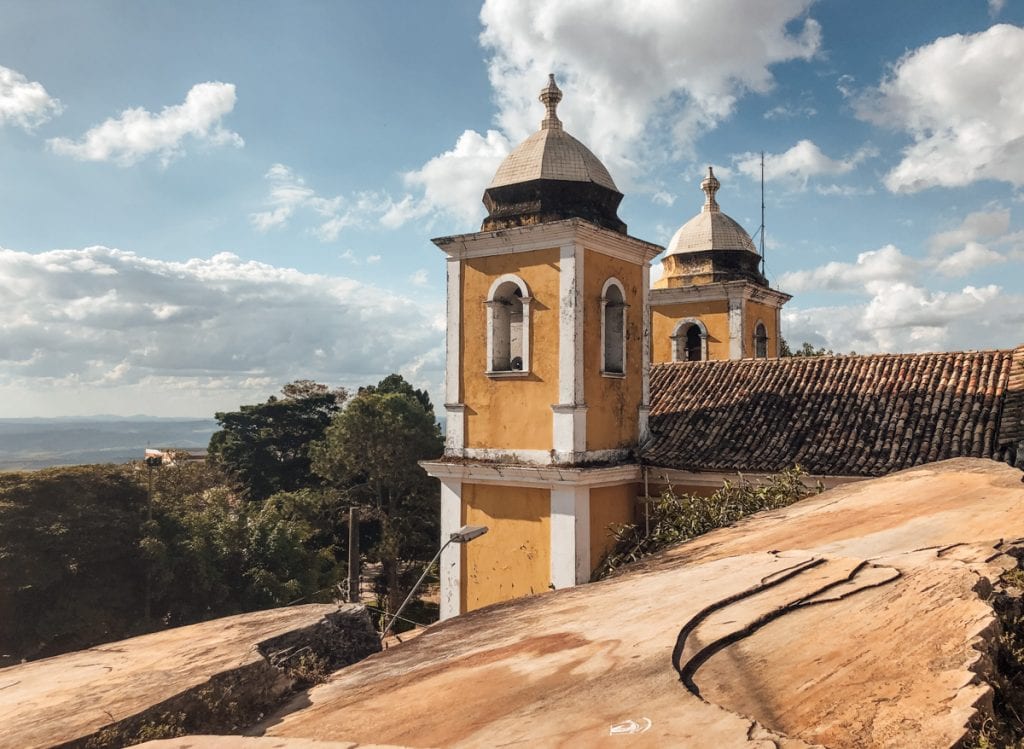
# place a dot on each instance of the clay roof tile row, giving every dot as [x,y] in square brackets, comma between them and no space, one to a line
[836,415]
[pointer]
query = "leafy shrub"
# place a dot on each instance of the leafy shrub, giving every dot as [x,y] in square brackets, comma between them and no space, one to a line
[675,518]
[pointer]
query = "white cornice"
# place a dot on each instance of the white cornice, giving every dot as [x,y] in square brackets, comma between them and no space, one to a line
[549,235]
[718,292]
[523,475]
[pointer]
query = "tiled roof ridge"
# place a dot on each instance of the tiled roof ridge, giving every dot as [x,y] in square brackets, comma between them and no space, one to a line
[864,414]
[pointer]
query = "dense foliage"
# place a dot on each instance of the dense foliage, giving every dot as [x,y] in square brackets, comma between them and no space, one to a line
[90,554]
[674,518]
[265,447]
[370,454]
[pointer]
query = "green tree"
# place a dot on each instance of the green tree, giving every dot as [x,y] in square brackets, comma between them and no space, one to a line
[71,568]
[370,453]
[265,447]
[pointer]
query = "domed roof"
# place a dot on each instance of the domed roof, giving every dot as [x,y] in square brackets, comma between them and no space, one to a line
[710,229]
[551,176]
[551,153]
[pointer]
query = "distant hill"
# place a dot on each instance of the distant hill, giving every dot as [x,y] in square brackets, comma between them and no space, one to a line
[41,443]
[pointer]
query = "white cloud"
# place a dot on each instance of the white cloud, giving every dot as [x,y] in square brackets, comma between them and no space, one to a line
[977,226]
[641,85]
[138,133]
[972,257]
[961,100]
[901,316]
[23,102]
[885,264]
[373,259]
[663,197]
[995,7]
[453,182]
[419,278]
[289,194]
[85,321]
[801,162]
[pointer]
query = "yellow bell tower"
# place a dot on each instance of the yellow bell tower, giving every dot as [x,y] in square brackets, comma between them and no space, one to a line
[546,390]
[712,300]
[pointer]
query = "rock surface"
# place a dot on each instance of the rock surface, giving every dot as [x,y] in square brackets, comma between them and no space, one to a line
[103,696]
[855,618]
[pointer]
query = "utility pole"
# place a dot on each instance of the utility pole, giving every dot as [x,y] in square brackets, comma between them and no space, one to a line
[353,555]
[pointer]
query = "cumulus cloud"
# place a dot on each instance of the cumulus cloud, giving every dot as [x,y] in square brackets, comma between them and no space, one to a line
[902,316]
[137,133]
[290,194]
[976,226]
[23,102]
[630,78]
[453,182]
[800,163]
[885,264]
[972,257]
[218,330]
[961,100]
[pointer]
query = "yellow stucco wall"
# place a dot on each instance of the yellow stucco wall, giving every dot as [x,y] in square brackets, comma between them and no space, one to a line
[664,318]
[609,505]
[612,402]
[752,313]
[513,558]
[512,413]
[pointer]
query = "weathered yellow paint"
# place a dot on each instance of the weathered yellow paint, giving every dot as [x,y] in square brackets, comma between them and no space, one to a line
[609,505]
[612,402]
[510,413]
[513,558]
[664,318]
[753,312]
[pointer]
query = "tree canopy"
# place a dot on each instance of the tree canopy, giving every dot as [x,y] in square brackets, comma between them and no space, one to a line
[265,447]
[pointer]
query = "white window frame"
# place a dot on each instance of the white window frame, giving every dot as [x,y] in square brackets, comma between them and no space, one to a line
[491,303]
[679,335]
[605,301]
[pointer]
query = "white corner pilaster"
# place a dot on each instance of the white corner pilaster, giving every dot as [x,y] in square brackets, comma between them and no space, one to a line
[735,325]
[645,360]
[778,332]
[569,423]
[450,567]
[455,410]
[570,536]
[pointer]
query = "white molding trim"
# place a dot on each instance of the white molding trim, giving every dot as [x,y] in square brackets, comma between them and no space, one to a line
[622,307]
[547,236]
[453,336]
[714,479]
[526,475]
[718,292]
[569,425]
[645,356]
[679,334]
[490,303]
[450,566]
[736,325]
[455,426]
[570,536]
[778,332]
[644,423]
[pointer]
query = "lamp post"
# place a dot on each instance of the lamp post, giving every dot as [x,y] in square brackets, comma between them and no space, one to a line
[463,535]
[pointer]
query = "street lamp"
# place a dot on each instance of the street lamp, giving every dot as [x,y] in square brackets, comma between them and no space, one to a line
[463,535]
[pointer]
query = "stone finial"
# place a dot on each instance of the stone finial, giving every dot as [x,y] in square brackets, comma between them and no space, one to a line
[710,186]
[550,95]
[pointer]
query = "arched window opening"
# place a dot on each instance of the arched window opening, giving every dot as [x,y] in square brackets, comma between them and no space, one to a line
[613,328]
[508,328]
[761,341]
[690,341]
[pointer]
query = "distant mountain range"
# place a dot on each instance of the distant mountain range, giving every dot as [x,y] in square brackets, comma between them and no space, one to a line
[40,443]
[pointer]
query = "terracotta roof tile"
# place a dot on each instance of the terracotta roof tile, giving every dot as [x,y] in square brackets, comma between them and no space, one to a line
[837,415]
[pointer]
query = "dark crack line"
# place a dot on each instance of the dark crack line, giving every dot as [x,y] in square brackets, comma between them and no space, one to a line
[704,613]
[687,672]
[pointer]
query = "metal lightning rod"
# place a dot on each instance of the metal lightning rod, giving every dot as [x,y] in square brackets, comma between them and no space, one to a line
[762,213]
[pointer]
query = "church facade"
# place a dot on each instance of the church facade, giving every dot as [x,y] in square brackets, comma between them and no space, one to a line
[553,336]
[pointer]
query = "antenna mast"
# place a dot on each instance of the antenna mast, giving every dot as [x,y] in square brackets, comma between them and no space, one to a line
[762,213]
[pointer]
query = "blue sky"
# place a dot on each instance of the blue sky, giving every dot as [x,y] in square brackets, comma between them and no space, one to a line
[202,201]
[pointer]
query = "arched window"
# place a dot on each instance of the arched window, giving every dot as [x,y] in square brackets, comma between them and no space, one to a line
[508,326]
[613,328]
[690,341]
[760,341]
